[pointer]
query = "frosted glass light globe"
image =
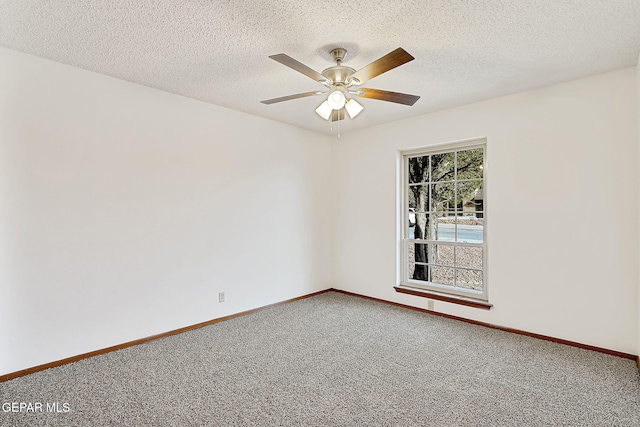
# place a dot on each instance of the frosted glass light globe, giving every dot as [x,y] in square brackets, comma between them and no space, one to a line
[336,100]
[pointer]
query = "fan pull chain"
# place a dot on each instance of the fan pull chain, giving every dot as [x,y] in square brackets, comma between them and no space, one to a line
[339,124]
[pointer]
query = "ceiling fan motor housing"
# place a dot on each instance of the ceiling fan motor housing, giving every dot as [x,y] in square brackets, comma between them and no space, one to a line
[338,74]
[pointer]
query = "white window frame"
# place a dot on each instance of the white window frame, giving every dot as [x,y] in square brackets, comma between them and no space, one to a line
[402,256]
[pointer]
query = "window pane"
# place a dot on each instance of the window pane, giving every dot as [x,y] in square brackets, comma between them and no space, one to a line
[419,169]
[419,230]
[442,167]
[419,272]
[446,227]
[411,218]
[442,275]
[469,279]
[469,256]
[443,197]
[441,254]
[418,252]
[469,196]
[431,254]
[419,197]
[469,164]
[470,229]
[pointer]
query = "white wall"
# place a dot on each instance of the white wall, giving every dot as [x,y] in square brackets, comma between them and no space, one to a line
[562,208]
[124,210]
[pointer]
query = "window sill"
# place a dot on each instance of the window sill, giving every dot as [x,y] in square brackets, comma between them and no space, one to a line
[442,297]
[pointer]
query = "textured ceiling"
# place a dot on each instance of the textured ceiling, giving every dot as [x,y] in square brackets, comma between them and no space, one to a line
[217,51]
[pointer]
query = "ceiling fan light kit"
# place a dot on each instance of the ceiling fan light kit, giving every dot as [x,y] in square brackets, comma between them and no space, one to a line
[342,81]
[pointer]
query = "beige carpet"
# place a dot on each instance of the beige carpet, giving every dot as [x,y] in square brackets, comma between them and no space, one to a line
[335,360]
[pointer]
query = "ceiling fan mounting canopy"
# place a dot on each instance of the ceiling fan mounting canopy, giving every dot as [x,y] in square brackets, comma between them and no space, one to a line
[340,78]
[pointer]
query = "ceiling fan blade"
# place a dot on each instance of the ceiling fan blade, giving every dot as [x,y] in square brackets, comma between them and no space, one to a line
[385,95]
[300,67]
[289,97]
[381,65]
[334,115]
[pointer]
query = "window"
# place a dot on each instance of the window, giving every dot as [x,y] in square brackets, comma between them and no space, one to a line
[443,219]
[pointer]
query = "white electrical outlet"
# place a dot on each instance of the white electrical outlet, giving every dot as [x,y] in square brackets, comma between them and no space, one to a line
[220,296]
[430,305]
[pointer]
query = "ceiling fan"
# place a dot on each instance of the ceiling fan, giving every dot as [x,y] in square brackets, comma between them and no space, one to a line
[343,82]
